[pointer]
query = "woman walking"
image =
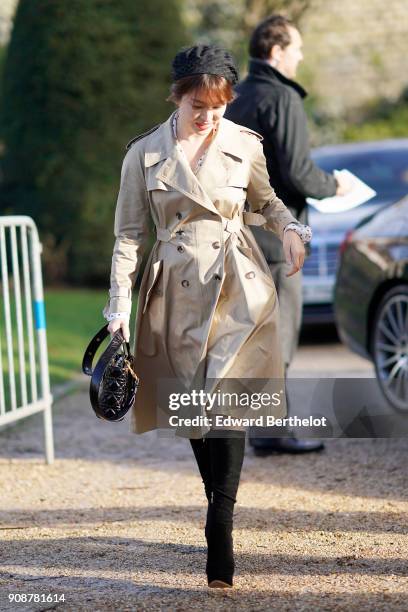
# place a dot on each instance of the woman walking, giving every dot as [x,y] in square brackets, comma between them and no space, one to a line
[207,308]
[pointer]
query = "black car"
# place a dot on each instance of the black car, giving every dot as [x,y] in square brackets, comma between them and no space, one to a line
[371,297]
[383,165]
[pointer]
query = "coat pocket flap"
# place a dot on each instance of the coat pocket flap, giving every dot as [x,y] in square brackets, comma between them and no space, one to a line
[237,183]
[236,179]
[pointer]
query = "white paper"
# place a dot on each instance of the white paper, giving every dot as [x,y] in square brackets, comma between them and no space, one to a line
[360,192]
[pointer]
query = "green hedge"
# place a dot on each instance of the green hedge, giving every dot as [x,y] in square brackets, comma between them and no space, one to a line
[382,119]
[80,79]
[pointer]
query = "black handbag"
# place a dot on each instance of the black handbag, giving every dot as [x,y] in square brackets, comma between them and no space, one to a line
[113,381]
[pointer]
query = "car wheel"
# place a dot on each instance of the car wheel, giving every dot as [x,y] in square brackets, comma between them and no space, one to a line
[390,346]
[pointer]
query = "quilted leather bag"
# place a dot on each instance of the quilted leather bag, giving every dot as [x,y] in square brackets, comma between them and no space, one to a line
[113,381]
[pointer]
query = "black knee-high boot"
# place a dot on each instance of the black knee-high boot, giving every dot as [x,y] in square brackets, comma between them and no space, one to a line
[201,449]
[226,458]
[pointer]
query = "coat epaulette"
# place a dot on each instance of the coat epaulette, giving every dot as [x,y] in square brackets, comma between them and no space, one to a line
[252,132]
[136,138]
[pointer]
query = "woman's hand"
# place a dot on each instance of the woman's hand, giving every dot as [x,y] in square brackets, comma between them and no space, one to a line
[115,324]
[294,250]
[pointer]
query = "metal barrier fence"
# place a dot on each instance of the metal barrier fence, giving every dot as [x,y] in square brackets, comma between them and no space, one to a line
[24,380]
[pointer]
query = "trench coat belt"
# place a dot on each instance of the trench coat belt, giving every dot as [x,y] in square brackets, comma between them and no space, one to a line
[230,225]
[164,234]
[233,226]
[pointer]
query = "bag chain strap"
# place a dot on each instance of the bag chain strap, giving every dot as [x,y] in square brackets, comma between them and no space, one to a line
[130,370]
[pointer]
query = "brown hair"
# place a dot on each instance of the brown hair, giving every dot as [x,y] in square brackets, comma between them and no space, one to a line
[215,88]
[272,31]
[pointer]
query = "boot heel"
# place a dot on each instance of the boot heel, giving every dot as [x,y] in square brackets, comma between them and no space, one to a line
[219,584]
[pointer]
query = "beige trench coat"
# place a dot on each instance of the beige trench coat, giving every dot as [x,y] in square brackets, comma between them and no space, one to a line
[207,307]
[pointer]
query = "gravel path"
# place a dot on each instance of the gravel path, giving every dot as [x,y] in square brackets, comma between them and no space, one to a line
[116,523]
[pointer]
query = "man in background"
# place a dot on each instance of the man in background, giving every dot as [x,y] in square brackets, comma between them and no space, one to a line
[270,102]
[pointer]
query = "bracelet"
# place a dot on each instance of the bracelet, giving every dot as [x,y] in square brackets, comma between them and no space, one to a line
[304,231]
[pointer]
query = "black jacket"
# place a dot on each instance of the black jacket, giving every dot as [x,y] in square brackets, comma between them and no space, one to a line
[272,105]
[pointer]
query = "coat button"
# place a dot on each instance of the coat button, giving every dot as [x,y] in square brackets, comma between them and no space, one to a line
[180,248]
[179,215]
[250,275]
[217,277]
[185,283]
[216,245]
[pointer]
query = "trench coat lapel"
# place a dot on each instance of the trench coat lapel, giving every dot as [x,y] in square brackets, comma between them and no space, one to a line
[172,168]
[224,158]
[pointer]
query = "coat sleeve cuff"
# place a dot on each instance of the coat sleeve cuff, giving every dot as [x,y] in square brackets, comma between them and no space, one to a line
[120,292]
[117,304]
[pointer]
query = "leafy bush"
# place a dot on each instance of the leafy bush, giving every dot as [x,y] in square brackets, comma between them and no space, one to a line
[382,119]
[80,79]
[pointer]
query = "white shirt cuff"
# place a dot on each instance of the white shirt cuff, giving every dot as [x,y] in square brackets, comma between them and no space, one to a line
[117,315]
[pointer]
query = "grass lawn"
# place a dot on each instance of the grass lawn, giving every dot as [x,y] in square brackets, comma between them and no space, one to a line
[73,317]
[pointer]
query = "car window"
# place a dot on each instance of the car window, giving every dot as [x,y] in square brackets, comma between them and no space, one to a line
[389,222]
[385,171]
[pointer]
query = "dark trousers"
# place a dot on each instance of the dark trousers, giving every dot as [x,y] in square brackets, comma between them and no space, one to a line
[289,292]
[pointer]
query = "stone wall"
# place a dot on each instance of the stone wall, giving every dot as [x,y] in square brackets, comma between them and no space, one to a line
[355,51]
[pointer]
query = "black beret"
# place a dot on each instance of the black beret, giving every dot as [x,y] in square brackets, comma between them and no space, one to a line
[204,59]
